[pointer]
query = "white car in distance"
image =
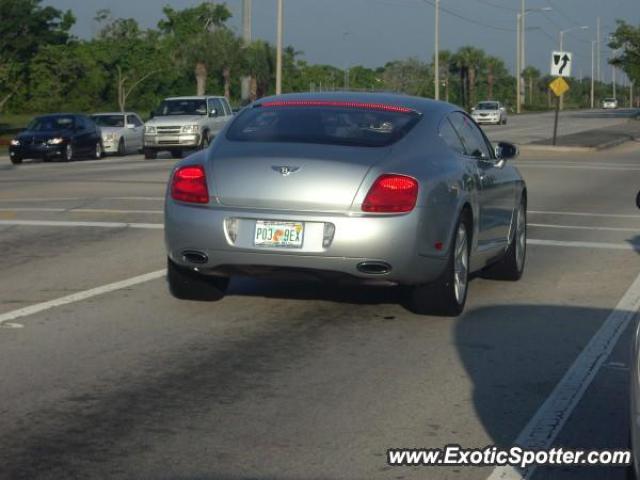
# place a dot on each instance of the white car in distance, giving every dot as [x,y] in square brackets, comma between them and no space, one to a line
[122,133]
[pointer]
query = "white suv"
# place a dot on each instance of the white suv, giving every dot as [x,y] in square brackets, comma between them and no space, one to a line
[185,123]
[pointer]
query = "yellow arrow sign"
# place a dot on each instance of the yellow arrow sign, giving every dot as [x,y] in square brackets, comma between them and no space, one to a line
[559,86]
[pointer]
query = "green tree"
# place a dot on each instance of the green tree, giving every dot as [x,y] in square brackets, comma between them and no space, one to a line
[25,28]
[190,31]
[627,38]
[129,55]
[410,76]
[531,76]
[468,63]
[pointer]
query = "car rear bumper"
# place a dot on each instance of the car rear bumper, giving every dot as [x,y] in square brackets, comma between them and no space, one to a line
[356,242]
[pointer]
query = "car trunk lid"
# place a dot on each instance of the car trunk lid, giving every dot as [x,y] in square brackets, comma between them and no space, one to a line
[291,176]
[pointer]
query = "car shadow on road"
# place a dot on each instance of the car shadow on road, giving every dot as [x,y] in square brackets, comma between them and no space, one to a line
[515,355]
[301,287]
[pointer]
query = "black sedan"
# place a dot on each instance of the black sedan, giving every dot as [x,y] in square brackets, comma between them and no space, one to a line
[57,137]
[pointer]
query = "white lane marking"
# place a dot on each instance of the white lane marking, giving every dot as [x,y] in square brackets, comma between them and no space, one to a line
[112,210]
[52,223]
[580,167]
[30,199]
[582,227]
[8,317]
[548,421]
[93,199]
[152,199]
[571,244]
[78,210]
[583,214]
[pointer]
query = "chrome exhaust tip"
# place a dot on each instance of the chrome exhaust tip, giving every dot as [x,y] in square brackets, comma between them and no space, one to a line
[195,257]
[374,268]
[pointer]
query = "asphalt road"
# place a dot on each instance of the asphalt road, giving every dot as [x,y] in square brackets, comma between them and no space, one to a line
[295,379]
[528,128]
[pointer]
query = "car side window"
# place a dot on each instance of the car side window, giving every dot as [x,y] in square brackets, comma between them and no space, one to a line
[134,120]
[450,137]
[474,141]
[217,104]
[82,123]
[227,107]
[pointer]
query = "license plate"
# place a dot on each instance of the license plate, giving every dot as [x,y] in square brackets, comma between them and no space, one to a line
[278,234]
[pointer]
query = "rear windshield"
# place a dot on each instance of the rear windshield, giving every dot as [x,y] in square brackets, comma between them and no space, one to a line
[331,125]
[487,106]
[109,120]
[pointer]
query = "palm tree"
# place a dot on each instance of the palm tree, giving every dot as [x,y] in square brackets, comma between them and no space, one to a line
[191,32]
[495,69]
[226,55]
[468,62]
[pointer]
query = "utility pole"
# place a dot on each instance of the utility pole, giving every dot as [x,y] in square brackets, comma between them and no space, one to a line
[436,73]
[598,48]
[518,66]
[523,63]
[279,51]
[630,93]
[246,39]
[593,53]
[613,80]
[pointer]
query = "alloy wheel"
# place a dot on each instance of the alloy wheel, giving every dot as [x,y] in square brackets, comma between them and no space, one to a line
[460,264]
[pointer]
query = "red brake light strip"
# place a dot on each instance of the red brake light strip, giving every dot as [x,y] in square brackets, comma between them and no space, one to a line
[333,103]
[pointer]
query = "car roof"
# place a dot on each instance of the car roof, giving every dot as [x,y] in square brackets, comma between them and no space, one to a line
[114,113]
[61,114]
[194,97]
[419,104]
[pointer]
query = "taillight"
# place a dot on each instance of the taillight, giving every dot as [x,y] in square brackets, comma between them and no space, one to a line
[189,184]
[392,193]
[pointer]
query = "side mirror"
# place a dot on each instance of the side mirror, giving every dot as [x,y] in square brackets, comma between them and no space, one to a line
[506,151]
[213,112]
[473,109]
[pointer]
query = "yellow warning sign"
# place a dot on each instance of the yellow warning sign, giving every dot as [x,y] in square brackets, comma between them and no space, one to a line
[559,86]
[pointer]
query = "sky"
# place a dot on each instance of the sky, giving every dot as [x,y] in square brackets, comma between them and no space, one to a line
[373,32]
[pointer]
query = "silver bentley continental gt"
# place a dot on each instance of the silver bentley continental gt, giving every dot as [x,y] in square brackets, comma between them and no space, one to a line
[380,188]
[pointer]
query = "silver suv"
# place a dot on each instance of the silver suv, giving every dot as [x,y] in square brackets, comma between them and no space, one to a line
[185,123]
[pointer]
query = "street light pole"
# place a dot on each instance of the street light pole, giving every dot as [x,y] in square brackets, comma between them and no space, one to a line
[518,65]
[599,77]
[436,72]
[246,39]
[279,50]
[593,49]
[523,64]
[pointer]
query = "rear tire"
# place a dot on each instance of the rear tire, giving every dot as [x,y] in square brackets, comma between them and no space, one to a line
[204,143]
[16,160]
[185,284]
[448,294]
[150,154]
[176,153]
[511,266]
[97,152]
